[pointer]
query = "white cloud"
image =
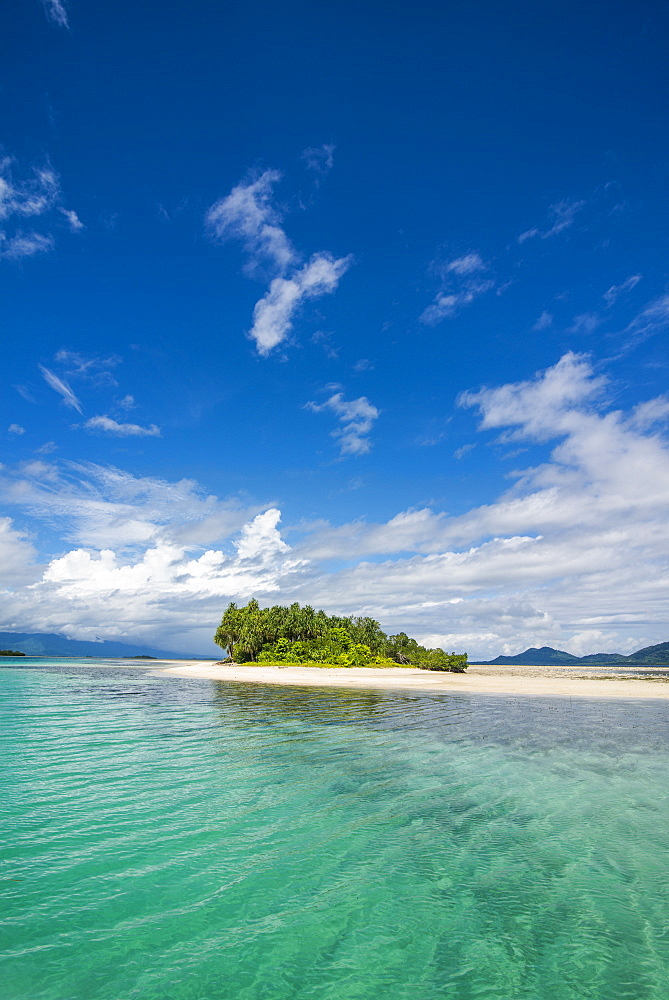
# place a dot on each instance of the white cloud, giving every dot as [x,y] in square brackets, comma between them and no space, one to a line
[615,291]
[448,304]
[653,319]
[585,323]
[561,216]
[94,368]
[18,559]
[248,215]
[31,197]
[471,263]
[16,429]
[62,387]
[105,507]
[561,544]
[55,10]
[463,284]
[22,245]
[543,322]
[107,425]
[273,314]
[357,417]
[75,223]
[127,403]
[36,195]
[319,159]
[648,414]
[572,555]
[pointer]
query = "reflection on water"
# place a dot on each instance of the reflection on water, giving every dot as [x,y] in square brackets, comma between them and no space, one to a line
[208,841]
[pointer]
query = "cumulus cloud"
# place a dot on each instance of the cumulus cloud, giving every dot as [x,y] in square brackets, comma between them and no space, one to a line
[62,387]
[463,282]
[55,10]
[561,216]
[273,314]
[247,214]
[573,554]
[100,506]
[560,544]
[107,425]
[17,557]
[357,417]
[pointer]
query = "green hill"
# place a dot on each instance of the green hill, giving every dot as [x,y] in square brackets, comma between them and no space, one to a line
[546,656]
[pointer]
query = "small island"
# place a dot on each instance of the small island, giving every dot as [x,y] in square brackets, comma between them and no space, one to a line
[301,636]
[10,652]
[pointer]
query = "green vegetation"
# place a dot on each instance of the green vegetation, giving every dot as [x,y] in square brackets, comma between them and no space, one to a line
[10,652]
[300,635]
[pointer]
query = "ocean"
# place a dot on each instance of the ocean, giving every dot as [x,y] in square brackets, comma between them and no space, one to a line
[186,839]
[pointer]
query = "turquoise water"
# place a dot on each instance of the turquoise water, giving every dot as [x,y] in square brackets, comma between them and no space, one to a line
[169,838]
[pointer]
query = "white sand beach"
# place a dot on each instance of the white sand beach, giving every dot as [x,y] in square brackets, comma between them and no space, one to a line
[505,680]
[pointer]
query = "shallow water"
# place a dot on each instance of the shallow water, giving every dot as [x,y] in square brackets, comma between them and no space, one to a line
[173,838]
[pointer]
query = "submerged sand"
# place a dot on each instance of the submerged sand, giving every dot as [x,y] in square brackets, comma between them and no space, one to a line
[504,680]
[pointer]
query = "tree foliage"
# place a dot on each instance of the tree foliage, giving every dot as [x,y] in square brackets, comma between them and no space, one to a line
[297,634]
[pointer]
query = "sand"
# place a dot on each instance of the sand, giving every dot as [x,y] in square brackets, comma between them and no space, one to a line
[525,680]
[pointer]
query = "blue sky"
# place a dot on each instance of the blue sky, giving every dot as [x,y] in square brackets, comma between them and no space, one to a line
[358,304]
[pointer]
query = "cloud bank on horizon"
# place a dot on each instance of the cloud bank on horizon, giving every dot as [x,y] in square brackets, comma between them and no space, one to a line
[504,574]
[303,320]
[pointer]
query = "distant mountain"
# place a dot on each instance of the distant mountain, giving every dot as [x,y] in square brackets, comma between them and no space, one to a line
[546,656]
[51,644]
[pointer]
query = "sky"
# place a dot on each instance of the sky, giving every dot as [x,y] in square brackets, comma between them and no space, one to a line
[363,305]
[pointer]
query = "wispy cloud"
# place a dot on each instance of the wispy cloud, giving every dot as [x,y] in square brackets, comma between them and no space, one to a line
[463,282]
[75,223]
[247,214]
[325,340]
[649,413]
[92,369]
[653,319]
[363,365]
[319,159]
[357,417]
[273,314]
[543,322]
[560,217]
[16,429]
[586,323]
[36,195]
[55,10]
[107,425]
[471,263]
[61,386]
[22,245]
[615,291]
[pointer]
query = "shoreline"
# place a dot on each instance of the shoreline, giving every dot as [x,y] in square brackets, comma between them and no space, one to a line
[531,681]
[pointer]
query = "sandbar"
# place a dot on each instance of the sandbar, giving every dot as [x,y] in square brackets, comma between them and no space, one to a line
[516,680]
